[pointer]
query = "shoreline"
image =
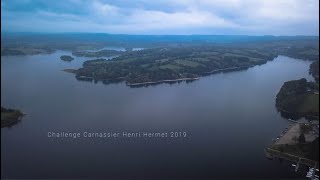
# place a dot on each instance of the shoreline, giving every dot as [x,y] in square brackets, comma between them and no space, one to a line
[10,117]
[296,115]
[73,71]
[162,81]
[186,79]
[226,69]
[272,154]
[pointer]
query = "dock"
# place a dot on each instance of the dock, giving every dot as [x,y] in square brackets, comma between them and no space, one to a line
[272,153]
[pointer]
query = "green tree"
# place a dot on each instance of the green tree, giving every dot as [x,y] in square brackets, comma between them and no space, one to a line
[302,139]
[295,139]
[305,128]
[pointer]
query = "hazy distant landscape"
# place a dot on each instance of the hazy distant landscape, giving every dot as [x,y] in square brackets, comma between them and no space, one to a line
[164,58]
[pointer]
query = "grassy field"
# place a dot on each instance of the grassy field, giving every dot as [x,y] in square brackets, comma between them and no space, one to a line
[187,63]
[310,103]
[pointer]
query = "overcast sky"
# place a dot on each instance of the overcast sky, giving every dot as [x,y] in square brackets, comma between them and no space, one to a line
[236,17]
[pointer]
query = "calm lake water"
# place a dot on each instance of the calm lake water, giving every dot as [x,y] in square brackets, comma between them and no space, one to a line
[229,119]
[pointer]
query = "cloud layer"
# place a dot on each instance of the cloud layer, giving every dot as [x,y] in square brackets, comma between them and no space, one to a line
[250,17]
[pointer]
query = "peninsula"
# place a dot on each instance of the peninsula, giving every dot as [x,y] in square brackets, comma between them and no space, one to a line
[158,65]
[171,64]
[299,98]
[10,117]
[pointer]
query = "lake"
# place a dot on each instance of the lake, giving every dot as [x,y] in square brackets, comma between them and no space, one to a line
[229,119]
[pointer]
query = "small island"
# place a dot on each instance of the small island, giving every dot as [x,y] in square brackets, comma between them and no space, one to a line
[10,117]
[66,58]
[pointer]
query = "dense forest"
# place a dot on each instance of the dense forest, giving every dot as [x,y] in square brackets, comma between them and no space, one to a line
[314,70]
[299,98]
[170,63]
[158,64]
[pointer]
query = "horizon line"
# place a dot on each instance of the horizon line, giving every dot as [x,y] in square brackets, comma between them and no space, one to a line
[30,32]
